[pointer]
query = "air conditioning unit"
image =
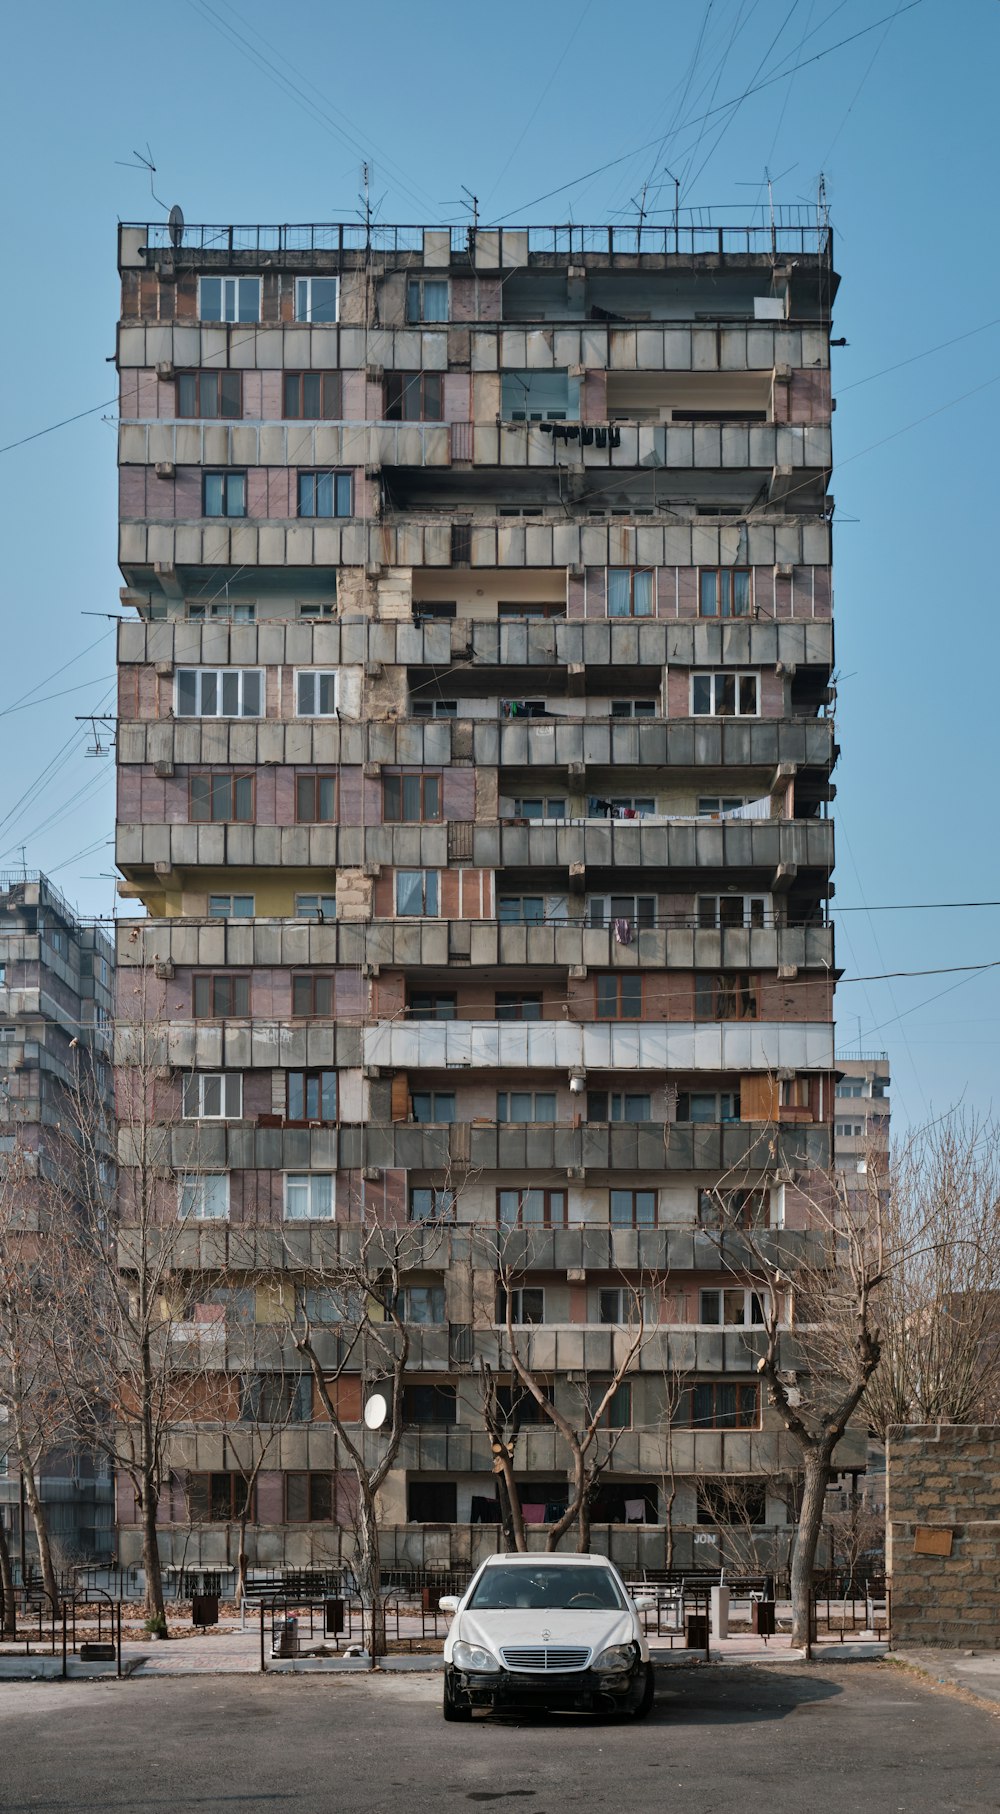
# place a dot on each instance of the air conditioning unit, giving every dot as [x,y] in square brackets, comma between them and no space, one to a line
[164,971]
[783,570]
[372,1174]
[164,669]
[165,469]
[576,1173]
[165,368]
[163,770]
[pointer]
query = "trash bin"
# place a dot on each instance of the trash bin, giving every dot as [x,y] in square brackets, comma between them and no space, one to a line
[333,1618]
[697,1631]
[286,1644]
[762,1613]
[204,1610]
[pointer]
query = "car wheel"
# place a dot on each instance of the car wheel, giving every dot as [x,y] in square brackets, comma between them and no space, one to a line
[449,1708]
[645,1705]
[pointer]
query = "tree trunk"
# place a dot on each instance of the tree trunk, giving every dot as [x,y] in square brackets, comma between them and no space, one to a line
[510,1506]
[8,1620]
[815,1474]
[369,1568]
[39,1521]
[583,1521]
[241,1560]
[155,1605]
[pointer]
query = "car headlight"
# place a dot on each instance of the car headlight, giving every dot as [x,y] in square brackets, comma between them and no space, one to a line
[617,1657]
[473,1657]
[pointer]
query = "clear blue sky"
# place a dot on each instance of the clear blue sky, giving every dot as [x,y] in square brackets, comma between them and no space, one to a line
[514,101]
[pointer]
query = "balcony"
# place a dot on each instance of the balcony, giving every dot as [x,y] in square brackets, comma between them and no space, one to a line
[635,1046]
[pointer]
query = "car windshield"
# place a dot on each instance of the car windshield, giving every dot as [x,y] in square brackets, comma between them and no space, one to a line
[567,1587]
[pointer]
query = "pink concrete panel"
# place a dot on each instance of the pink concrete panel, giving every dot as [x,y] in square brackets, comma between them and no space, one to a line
[275,797]
[594,397]
[129,796]
[148,399]
[457,397]
[574,596]
[269,402]
[463,299]
[353,399]
[128,395]
[281,485]
[459,793]
[187,492]
[687,592]
[597,592]
[252,389]
[166,399]
[257,491]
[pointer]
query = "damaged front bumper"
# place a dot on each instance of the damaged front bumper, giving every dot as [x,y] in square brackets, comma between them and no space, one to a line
[581,1690]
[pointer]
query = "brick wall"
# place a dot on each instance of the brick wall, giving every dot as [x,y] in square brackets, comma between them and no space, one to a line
[945,1477]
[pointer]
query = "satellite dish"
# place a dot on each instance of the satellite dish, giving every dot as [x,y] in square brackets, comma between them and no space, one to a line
[376,1411]
[175,226]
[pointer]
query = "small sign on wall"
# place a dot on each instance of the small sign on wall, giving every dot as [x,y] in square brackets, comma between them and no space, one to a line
[932,1540]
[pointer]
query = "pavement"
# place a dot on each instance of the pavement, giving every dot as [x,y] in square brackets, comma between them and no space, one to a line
[790,1738]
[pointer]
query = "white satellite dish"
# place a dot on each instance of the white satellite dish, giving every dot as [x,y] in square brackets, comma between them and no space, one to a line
[376,1411]
[175,226]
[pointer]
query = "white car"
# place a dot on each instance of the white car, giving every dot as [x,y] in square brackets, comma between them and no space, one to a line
[548,1630]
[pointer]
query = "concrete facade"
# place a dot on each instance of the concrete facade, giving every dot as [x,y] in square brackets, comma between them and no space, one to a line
[943,1496]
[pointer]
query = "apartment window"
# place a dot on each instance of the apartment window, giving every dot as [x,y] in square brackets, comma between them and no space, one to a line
[708,1107]
[433,1106]
[725,997]
[213,1096]
[735,1208]
[793,1092]
[411,797]
[431,1203]
[219,693]
[416,893]
[229,298]
[312,995]
[230,906]
[527,1304]
[731,1307]
[617,1413]
[434,611]
[630,592]
[323,494]
[311,1096]
[517,1007]
[216,1498]
[209,394]
[461,544]
[276,1398]
[421,1304]
[315,607]
[737,1500]
[428,1005]
[414,396]
[315,799]
[719,1405]
[633,1208]
[539,396]
[633,708]
[620,806]
[316,692]
[721,910]
[228,611]
[434,708]
[224,494]
[221,799]
[724,592]
[636,909]
[725,695]
[618,1105]
[526,1105]
[203,1196]
[430,1405]
[531,1208]
[316,299]
[619,997]
[521,910]
[519,611]
[848,1130]
[312,396]
[427,299]
[221,994]
[309,1197]
[319,907]
[617,1305]
[308,1498]
[850,1088]
[713,806]
[539,807]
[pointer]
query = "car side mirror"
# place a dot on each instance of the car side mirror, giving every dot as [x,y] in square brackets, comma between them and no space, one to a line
[643,1602]
[448,1602]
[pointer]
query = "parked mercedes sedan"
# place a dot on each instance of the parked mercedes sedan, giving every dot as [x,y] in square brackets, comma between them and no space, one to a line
[547,1630]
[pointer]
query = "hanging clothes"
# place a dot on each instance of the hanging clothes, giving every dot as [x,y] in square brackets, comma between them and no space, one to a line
[622,930]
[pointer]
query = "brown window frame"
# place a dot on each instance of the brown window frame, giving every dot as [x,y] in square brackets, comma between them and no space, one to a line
[214,779]
[744,1208]
[747,1398]
[422,776]
[725,582]
[399,386]
[509,1005]
[311,1074]
[331,396]
[313,780]
[310,1475]
[618,977]
[547,1192]
[209,381]
[634,1191]
[217,1474]
[210,979]
[734,995]
[313,981]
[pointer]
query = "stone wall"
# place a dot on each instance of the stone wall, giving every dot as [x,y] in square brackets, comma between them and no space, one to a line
[943,1483]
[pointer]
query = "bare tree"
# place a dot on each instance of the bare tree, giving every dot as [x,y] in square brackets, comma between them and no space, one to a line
[501,1407]
[8,1609]
[27,1383]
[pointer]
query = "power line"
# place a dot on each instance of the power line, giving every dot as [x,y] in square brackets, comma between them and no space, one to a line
[54,425]
[916,906]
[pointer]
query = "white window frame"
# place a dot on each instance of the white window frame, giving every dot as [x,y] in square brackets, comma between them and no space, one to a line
[192,1186]
[739,675]
[229,294]
[720,812]
[316,676]
[515,1293]
[313,1185]
[848,1130]
[304,288]
[748,1297]
[229,913]
[749,902]
[420,318]
[197,1085]
[430,884]
[219,675]
[312,913]
[545,801]
[603,901]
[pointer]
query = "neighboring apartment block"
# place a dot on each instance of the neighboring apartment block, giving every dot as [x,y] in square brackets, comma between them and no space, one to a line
[56,1004]
[474,769]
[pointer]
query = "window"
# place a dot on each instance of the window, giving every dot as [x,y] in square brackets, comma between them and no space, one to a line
[793,1092]
[209,394]
[618,1305]
[230,906]
[848,1130]
[421,1304]
[725,997]
[312,396]
[735,1208]
[323,494]
[517,1007]
[617,1414]
[724,592]
[219,693]
[531,1208]
[427,1005]
[526,1105]
[519,611]
[309,1197]
[416,892]
[617,1105]
[221,993]
[216,1498]
[434,611]
[312,995]
[414,396]
[708,1107]
[221,799]
[712,806]
[230,611]
[630,592]
[311,1095]
[619,997]
[276,1398]
[523,708]
[315,607]
[411,797]
[633,1208]
[850,1087]
[3,974]
[732,1307]
[634,708]
[203,1196]
[719,1405]
[229,298]
[637,909]
[733,1500]
[431,1203]
[539,396]
[316,692]
[308,1498]
[316,299]
[725,695]
[434,708]
[521,910]
[539,807]
[315,799]
[429,1404]
[527,1304]
[224,494]
[432,1502]
[717,911]
[427,299]
[213,1096]
[461,544]
[318,907]
[620,806]
[436,1106]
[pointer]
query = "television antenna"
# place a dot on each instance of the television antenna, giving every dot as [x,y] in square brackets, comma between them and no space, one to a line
[94,719]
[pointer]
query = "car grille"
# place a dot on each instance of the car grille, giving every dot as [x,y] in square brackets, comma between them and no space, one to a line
[543,1657]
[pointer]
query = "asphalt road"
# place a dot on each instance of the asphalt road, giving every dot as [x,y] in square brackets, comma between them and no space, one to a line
[770,1740]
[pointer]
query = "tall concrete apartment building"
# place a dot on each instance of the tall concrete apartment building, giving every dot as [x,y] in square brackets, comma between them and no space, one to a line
[474,769]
